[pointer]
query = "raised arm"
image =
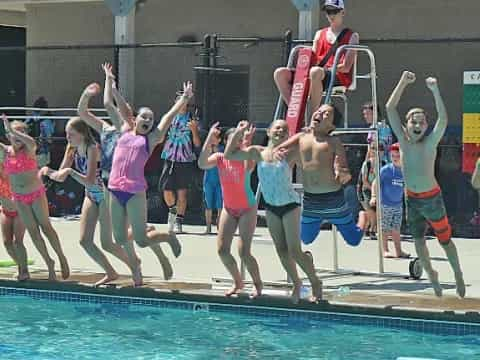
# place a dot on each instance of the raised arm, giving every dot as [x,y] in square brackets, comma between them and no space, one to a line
[28,141]
[91,120]
[441,124]
[167,119]
[125,110]
[193,126]
[113,112]
[392,104]
[234,150]
[207,160]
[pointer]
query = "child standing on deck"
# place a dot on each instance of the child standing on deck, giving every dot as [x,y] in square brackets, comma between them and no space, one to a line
[392,188]
[212,189]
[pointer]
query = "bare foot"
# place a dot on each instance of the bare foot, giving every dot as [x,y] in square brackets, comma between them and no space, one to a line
[23,275]
[175,244]
[236,288]
[460,285]
[257,292]
[137,276]
[317,291]
[436,284]
[51,271]
[167,269]
[106,279]
[296,293]
[64,267]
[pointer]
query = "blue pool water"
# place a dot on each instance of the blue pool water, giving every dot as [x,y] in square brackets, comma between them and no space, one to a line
[36,328]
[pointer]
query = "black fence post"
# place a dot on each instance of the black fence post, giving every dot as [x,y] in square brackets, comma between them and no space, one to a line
[116,64]
[205,55]
[287,45]
[212,90]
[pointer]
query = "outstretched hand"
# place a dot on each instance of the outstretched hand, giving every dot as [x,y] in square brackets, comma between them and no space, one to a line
[108,70]
[45,171]
[280,154]
[92,89]
[214,131]
[408,77]
[432,83]
[6,123]
[249,134]
[188,89]
[60,175]
[193,125]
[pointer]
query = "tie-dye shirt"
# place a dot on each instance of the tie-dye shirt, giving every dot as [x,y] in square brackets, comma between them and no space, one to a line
[178,146]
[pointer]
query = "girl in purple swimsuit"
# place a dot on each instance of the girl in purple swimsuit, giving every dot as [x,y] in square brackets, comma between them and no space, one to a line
[127,181]
[122,119]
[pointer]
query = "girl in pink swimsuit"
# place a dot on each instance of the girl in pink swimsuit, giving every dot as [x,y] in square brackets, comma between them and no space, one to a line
[82,152]
[29,194]
[13,229]
[122,119]
[239,210]
[127,182]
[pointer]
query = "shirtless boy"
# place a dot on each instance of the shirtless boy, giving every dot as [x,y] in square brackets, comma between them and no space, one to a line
[324,165]
[424,197]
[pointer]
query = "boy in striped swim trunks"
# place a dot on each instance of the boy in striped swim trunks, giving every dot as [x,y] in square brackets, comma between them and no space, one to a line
[323,198]
[424,197]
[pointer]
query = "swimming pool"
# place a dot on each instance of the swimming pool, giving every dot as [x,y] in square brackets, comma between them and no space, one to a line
[56,325]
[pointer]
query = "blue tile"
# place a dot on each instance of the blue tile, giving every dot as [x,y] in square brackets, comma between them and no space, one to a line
[418,325]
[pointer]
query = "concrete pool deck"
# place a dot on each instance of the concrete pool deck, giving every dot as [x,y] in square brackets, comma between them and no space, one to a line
[199,274]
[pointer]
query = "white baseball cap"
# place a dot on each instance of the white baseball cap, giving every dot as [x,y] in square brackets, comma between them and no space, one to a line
[337,4]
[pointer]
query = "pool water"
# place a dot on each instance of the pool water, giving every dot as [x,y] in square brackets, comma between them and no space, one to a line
[47,329]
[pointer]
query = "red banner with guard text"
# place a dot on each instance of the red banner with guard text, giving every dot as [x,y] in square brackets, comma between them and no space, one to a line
[300,89]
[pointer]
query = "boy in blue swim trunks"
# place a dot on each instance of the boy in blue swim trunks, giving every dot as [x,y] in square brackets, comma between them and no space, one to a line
[212,190]
[324,167]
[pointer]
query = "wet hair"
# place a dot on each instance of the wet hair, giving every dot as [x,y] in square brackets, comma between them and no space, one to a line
[414,111]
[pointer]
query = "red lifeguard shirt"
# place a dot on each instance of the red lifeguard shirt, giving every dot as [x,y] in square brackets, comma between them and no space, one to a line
[323,46]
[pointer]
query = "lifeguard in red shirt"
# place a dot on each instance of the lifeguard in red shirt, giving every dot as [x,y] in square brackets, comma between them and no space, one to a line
[320,73]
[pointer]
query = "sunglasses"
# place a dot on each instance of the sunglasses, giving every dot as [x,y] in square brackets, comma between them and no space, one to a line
[332,11]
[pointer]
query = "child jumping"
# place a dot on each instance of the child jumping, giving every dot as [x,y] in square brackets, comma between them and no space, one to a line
[28,192]
[424,197]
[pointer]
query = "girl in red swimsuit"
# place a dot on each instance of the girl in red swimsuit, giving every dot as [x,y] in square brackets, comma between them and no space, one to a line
[28,192]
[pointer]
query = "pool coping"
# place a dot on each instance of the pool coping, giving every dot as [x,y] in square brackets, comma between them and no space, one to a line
[265,301]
